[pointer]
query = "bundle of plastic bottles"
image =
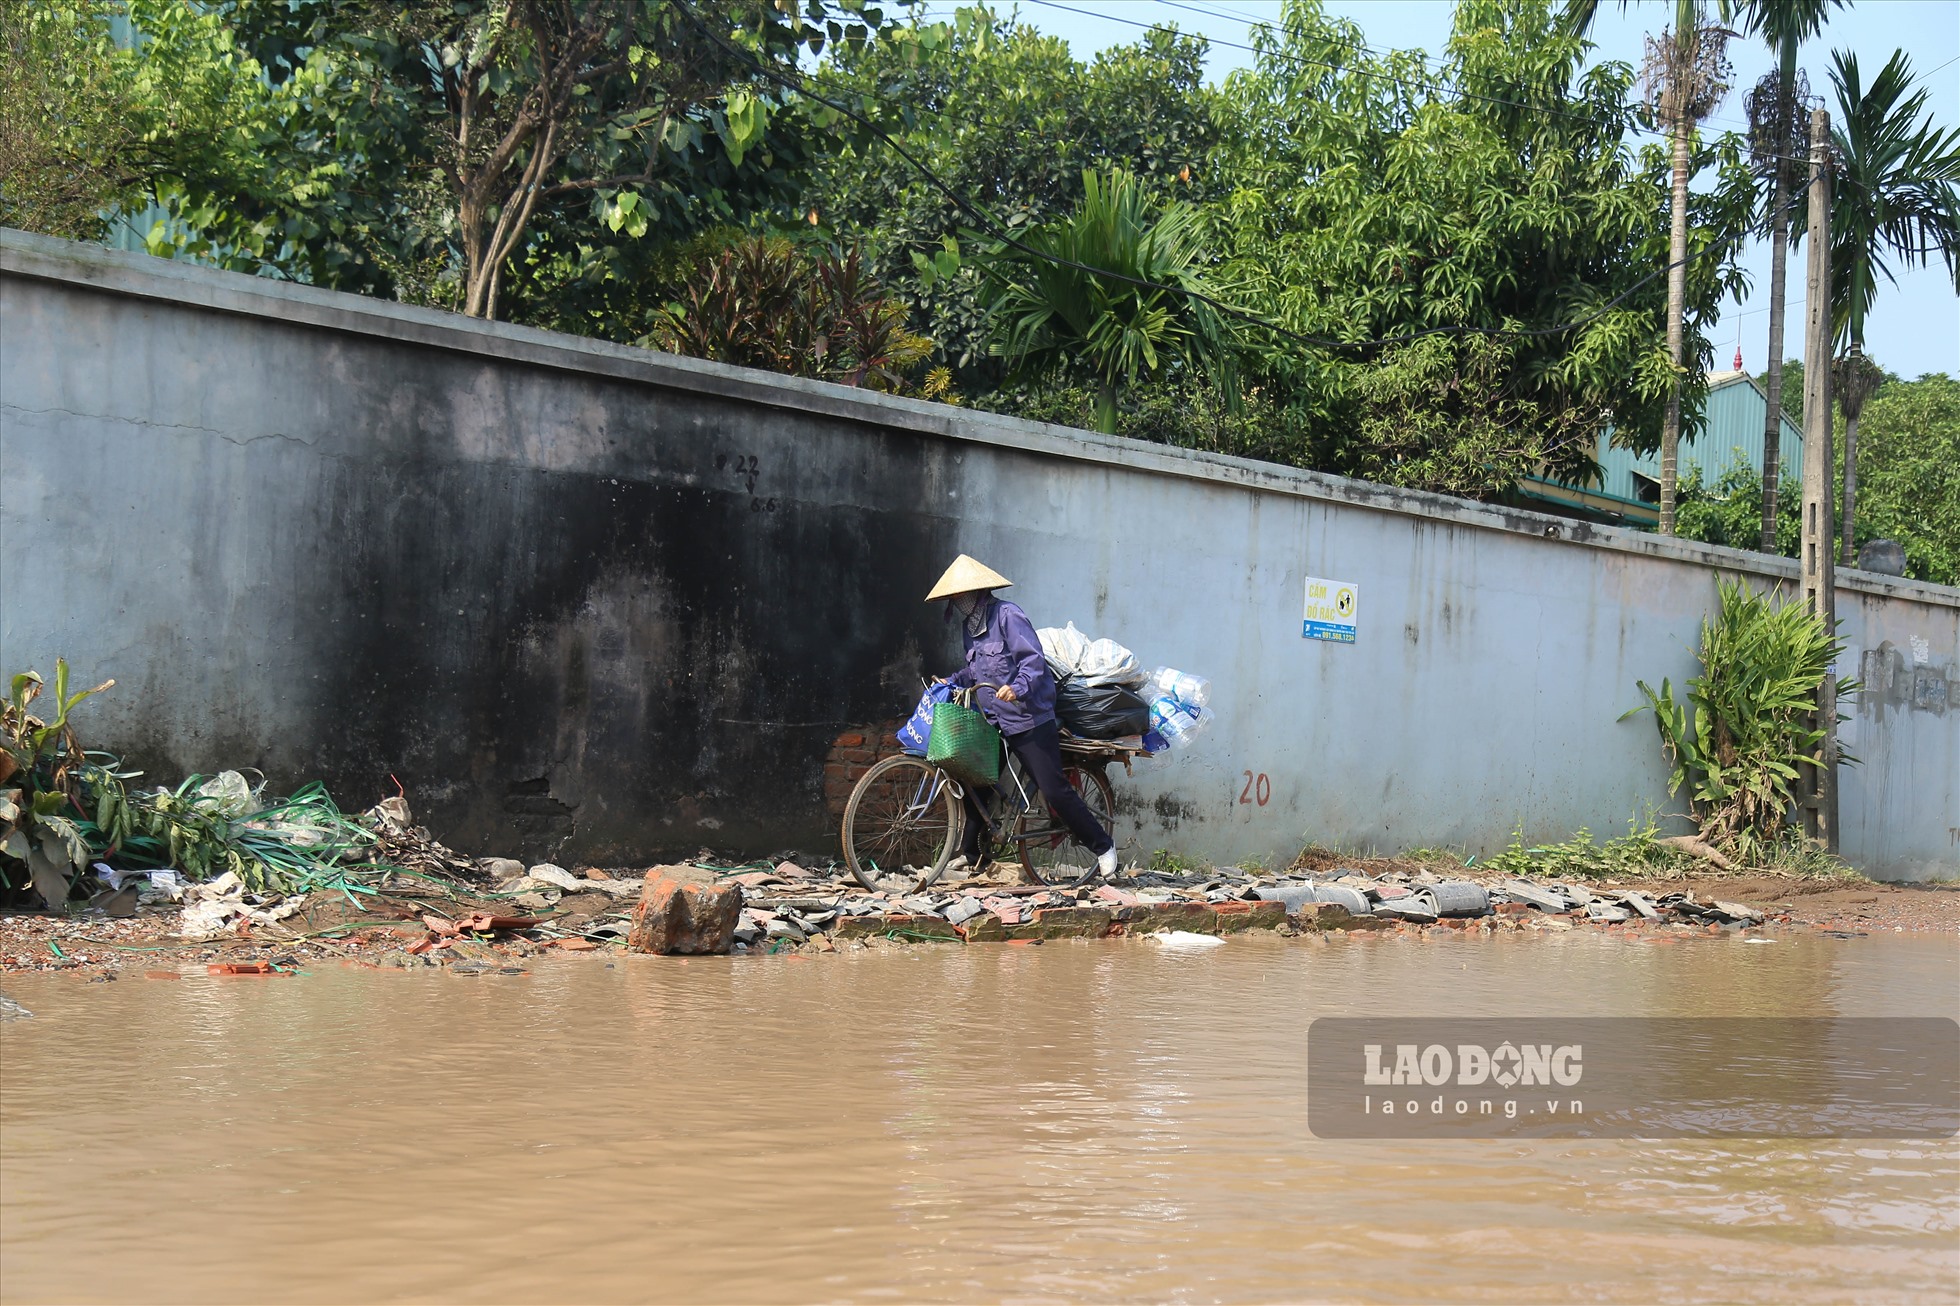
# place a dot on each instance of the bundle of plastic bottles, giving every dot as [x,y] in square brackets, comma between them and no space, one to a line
[1178,713]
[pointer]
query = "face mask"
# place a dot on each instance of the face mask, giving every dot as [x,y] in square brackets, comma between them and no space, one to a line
[964,604]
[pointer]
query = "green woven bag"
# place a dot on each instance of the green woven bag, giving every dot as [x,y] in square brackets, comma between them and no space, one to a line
[964,744]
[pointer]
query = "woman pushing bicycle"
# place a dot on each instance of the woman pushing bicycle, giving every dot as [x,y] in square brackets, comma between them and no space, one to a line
[1002,650]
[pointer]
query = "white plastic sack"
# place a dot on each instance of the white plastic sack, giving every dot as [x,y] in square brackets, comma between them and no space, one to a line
[1063,649]
[1106,662]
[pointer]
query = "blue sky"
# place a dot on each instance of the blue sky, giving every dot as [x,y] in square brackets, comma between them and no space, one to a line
[1914,327]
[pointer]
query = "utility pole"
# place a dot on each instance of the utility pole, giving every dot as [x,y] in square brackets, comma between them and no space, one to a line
[1820,809]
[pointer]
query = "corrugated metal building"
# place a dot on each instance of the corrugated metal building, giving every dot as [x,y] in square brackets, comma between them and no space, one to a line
[1630,488]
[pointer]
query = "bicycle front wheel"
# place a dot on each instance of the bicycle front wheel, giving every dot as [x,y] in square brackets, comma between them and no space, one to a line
[901,825]
[1048,852]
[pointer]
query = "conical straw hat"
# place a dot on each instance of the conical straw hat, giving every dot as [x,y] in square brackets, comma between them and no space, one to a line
[966,575]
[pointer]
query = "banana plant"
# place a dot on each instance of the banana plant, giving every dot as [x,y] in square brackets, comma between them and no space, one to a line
[40,764]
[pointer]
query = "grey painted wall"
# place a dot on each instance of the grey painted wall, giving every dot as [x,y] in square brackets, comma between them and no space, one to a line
[591,600]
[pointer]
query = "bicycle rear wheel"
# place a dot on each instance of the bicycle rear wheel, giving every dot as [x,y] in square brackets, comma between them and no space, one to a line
[1048,853]
[902,825]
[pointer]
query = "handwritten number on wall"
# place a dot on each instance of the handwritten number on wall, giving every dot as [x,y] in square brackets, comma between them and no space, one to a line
[745,465]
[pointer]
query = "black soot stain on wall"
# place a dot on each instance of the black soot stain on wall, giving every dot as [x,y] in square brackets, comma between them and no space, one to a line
[645,656]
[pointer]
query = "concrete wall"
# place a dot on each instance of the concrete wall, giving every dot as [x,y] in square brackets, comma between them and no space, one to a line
[602,602]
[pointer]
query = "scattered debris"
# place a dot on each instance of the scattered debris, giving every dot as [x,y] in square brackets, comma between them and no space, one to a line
[1700,847]
[243,968]
[410,903]
[222,905]
[1185,939]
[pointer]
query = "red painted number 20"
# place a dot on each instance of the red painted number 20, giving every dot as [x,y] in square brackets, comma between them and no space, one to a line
[1258,789]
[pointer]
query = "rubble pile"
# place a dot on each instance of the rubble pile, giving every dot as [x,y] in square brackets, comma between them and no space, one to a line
[791,907]
[428,906]
[401,843]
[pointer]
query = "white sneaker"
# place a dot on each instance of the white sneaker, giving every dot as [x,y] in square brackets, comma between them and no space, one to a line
[1106,864]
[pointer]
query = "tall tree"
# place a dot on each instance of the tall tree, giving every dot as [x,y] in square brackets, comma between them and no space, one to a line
[1686,74]
[1911,491]
[1779,139]
[1376,198]
[92,131]
[1009,119]
[66,108]
[1897,196]
[428,151]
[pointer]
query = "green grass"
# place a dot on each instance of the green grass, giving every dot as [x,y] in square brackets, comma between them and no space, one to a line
[1166,862]
[1641,852]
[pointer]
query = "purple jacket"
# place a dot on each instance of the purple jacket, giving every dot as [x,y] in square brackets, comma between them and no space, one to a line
[1008,653]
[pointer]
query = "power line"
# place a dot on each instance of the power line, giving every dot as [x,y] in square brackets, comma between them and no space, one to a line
[1255,21]
[1751,312]
[1000,233]
[1735,124]
[1631,124]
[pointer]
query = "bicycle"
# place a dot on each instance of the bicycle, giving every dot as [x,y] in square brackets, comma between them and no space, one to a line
[905,819]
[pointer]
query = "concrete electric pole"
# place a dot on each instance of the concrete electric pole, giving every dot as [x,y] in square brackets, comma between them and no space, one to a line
[1820,813]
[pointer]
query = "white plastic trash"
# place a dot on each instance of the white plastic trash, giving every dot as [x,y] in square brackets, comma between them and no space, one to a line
[1189,726]
[1193,691]
[1105,662]
[1186,939]
[1063,647]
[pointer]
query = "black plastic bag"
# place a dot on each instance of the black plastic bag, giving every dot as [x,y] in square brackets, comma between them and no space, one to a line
[1100,711]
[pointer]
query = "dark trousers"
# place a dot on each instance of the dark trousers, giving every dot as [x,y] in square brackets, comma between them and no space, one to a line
[1040,754]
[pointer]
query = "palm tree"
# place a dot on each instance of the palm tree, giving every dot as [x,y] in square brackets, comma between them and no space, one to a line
[1779,136]
[1897,195]
[1108,288]
[1686,75]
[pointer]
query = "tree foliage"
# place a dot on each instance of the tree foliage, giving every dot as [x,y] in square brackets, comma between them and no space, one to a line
[763,301]
[516,108]
[1909,474]
[1896,189]
[180,119]
[1729,509]
[1113,290]
[65,107]
[1909,479]
[1374,196]
[1009,120]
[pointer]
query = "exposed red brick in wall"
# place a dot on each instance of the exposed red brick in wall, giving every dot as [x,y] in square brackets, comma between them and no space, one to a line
[851,754]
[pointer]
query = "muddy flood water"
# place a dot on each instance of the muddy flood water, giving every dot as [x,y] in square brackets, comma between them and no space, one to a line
[1078,1121]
